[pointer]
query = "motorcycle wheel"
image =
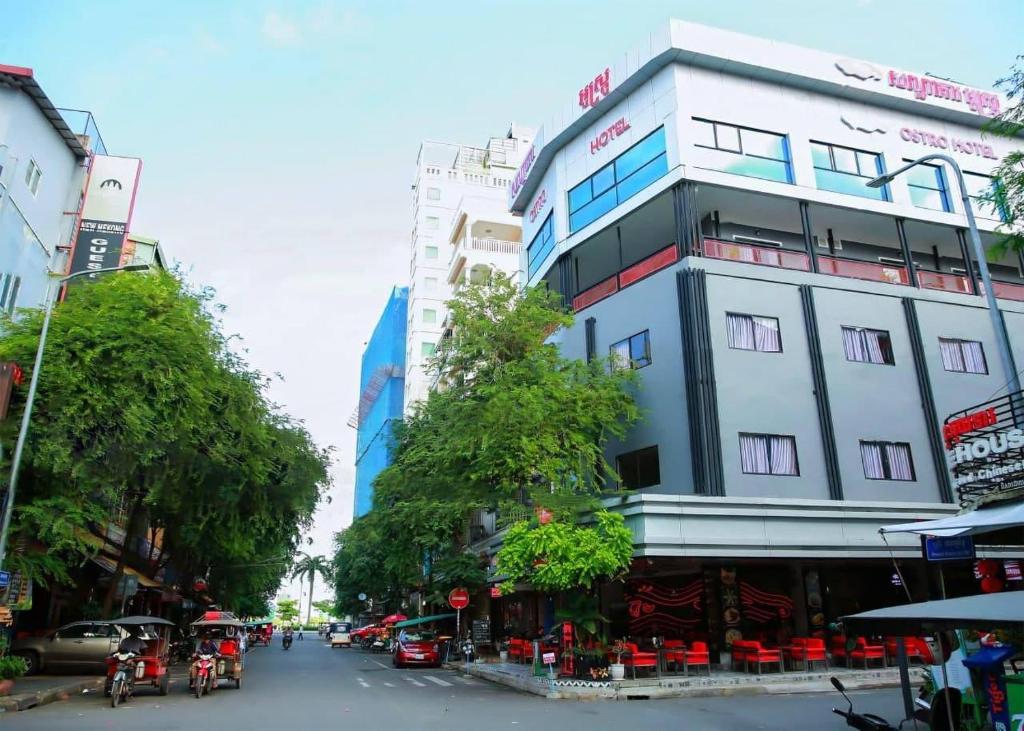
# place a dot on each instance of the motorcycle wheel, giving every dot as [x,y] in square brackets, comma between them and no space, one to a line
[200,682]
[164,683]
[238,683]
[116,693]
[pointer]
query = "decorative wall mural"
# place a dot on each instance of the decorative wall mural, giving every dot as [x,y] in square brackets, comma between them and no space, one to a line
[664,608]
[763,607]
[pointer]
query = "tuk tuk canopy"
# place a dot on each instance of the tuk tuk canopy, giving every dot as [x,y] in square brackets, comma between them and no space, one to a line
[982,611]
[423,620]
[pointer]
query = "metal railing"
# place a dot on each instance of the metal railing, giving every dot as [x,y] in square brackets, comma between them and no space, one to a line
[855,269]
[764,255]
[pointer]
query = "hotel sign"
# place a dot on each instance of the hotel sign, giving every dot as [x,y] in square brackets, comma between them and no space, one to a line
[595,90]
[106,213]
[985,447]
[922,87]
[965,147]
[615,129]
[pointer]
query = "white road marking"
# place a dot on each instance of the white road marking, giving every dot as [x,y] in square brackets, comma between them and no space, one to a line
[432,679]
[414,681]
[386,667]
[390,685]
[363,683]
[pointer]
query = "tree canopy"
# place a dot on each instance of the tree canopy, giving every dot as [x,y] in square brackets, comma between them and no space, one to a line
[146,417]
[1007,195]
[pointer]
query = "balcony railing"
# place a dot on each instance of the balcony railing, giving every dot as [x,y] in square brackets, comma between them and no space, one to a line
[943,282]
[1008,291]
[764,255]
[855,269]
[630,275]
[495,246]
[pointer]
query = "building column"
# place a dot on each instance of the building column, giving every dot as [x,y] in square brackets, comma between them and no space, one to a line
[965,254]
[689,236]
[798,593]
[565,279]
[908,258]
[805,224]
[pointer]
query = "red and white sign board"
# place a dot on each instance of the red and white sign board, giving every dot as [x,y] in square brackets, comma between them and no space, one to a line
[458,598]
[549,658]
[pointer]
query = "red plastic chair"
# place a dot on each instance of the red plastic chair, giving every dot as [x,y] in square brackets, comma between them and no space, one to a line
[913,646]
[740,651]
[839,650]
[867,653]
[806,651]
[761,656]
[634,658]
[698,656]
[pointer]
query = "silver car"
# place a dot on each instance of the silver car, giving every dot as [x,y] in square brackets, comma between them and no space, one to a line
[78,647]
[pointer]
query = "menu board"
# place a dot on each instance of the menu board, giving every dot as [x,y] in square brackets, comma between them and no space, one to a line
[482,631]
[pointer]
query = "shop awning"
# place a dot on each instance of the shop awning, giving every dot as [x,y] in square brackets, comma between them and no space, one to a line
[983,520]
[111,567]
[983,611]
[424,620]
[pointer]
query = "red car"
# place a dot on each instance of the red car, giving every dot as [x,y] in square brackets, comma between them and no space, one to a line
[418,647]
[360,634]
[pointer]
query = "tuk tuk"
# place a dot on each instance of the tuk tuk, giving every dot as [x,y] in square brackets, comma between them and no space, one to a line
[340,634]
[226,631]
[150,666]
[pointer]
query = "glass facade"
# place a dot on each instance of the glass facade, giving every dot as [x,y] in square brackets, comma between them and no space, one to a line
[928,188]
[539,249]
[845,170]
[743,151]
[980,188]
[619,180]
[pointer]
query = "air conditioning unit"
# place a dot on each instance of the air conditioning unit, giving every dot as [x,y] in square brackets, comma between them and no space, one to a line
[890,261]
[756,241]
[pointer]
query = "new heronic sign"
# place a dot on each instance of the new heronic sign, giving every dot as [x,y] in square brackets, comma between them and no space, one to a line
[985,447]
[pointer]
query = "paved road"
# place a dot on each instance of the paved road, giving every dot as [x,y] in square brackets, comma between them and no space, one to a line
[312,686]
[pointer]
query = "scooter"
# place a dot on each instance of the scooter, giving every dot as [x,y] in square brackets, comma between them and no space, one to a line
[863,722]
[124,678]
[205,671]
[286,641]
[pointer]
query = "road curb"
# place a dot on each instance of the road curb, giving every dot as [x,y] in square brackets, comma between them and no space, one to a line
[24,701]
[674,687]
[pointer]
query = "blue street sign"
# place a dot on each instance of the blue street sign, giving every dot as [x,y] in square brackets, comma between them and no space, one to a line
[5,579]
[953,548]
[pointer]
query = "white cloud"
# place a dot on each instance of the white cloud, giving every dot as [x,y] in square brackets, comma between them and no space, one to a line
[279,30]
[207,41]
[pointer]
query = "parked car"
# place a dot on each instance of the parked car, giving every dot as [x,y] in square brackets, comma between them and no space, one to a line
[417,647]
[78,647]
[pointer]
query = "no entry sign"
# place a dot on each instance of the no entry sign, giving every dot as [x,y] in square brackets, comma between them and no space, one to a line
[458,598]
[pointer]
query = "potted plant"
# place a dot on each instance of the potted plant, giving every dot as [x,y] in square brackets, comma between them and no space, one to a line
[617,670]
[11,667]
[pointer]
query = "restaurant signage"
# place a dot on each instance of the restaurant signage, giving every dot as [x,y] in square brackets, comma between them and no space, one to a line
[985,447]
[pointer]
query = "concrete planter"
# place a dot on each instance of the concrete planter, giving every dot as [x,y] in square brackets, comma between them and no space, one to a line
[617,671]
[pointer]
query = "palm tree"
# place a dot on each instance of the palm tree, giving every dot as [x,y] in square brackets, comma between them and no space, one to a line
[310,566]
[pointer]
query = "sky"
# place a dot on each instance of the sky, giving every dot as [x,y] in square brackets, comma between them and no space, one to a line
[279,138]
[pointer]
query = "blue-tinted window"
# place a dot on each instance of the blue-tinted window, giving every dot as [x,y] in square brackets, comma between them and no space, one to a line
[742,151]
[928,189]
[628,174]
[542,244]
[845,170]
[984,201]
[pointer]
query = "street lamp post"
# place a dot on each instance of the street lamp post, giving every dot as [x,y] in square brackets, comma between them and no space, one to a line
[998,325]
[23,431]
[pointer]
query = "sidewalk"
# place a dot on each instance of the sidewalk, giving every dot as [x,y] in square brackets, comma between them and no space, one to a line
[720,683]
[38,690]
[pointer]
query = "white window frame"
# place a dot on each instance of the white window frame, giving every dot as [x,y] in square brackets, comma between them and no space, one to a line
[33,174]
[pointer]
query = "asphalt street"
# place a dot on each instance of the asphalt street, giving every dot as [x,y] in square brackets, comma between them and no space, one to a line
[314,686]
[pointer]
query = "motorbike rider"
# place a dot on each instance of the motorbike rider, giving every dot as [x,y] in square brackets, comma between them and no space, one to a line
[133,643]
[287,636]
[206,647]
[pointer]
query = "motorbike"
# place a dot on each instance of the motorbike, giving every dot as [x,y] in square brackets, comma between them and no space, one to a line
[286,641]
[205,674]
[862,722]
[124,678]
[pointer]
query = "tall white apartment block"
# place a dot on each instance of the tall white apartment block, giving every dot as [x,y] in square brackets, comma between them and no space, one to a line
[460,226]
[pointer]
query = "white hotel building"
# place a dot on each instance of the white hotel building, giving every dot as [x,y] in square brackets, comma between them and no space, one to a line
[701,204]
[461,230]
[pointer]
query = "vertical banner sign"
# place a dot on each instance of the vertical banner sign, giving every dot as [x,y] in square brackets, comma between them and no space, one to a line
[109,199]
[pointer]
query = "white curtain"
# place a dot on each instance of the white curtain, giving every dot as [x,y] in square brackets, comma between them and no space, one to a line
[853,345]
[871,456]
[740,331]
[952,356]
[873,339]
[766,335]
[620,355]
[754,454]
[974,357]
[900,466]
[864,346]
[783,451]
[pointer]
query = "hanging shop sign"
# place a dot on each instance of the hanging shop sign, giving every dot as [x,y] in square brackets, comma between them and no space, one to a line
[985,447]
[106,213]
[947,548]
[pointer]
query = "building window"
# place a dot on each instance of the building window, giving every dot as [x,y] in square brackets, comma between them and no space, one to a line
[845,170]
[751,332]
[962,356]
[32,176]
[619,180]
[982,191]
[433,194]
[542,245]
[429,317]
[633,352]
[768,454]
[9,286]
[427,349]
[743,151]
[431,252]
[432,223]
[862,345]
[639,469]
[928,188]
[430,283]
[887,461]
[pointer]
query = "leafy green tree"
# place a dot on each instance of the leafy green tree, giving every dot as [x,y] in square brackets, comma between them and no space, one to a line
[287,611]
[1007,194]
[308,567]
[324,607]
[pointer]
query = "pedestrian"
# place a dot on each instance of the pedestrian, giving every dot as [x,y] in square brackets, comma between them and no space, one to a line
[300,632]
